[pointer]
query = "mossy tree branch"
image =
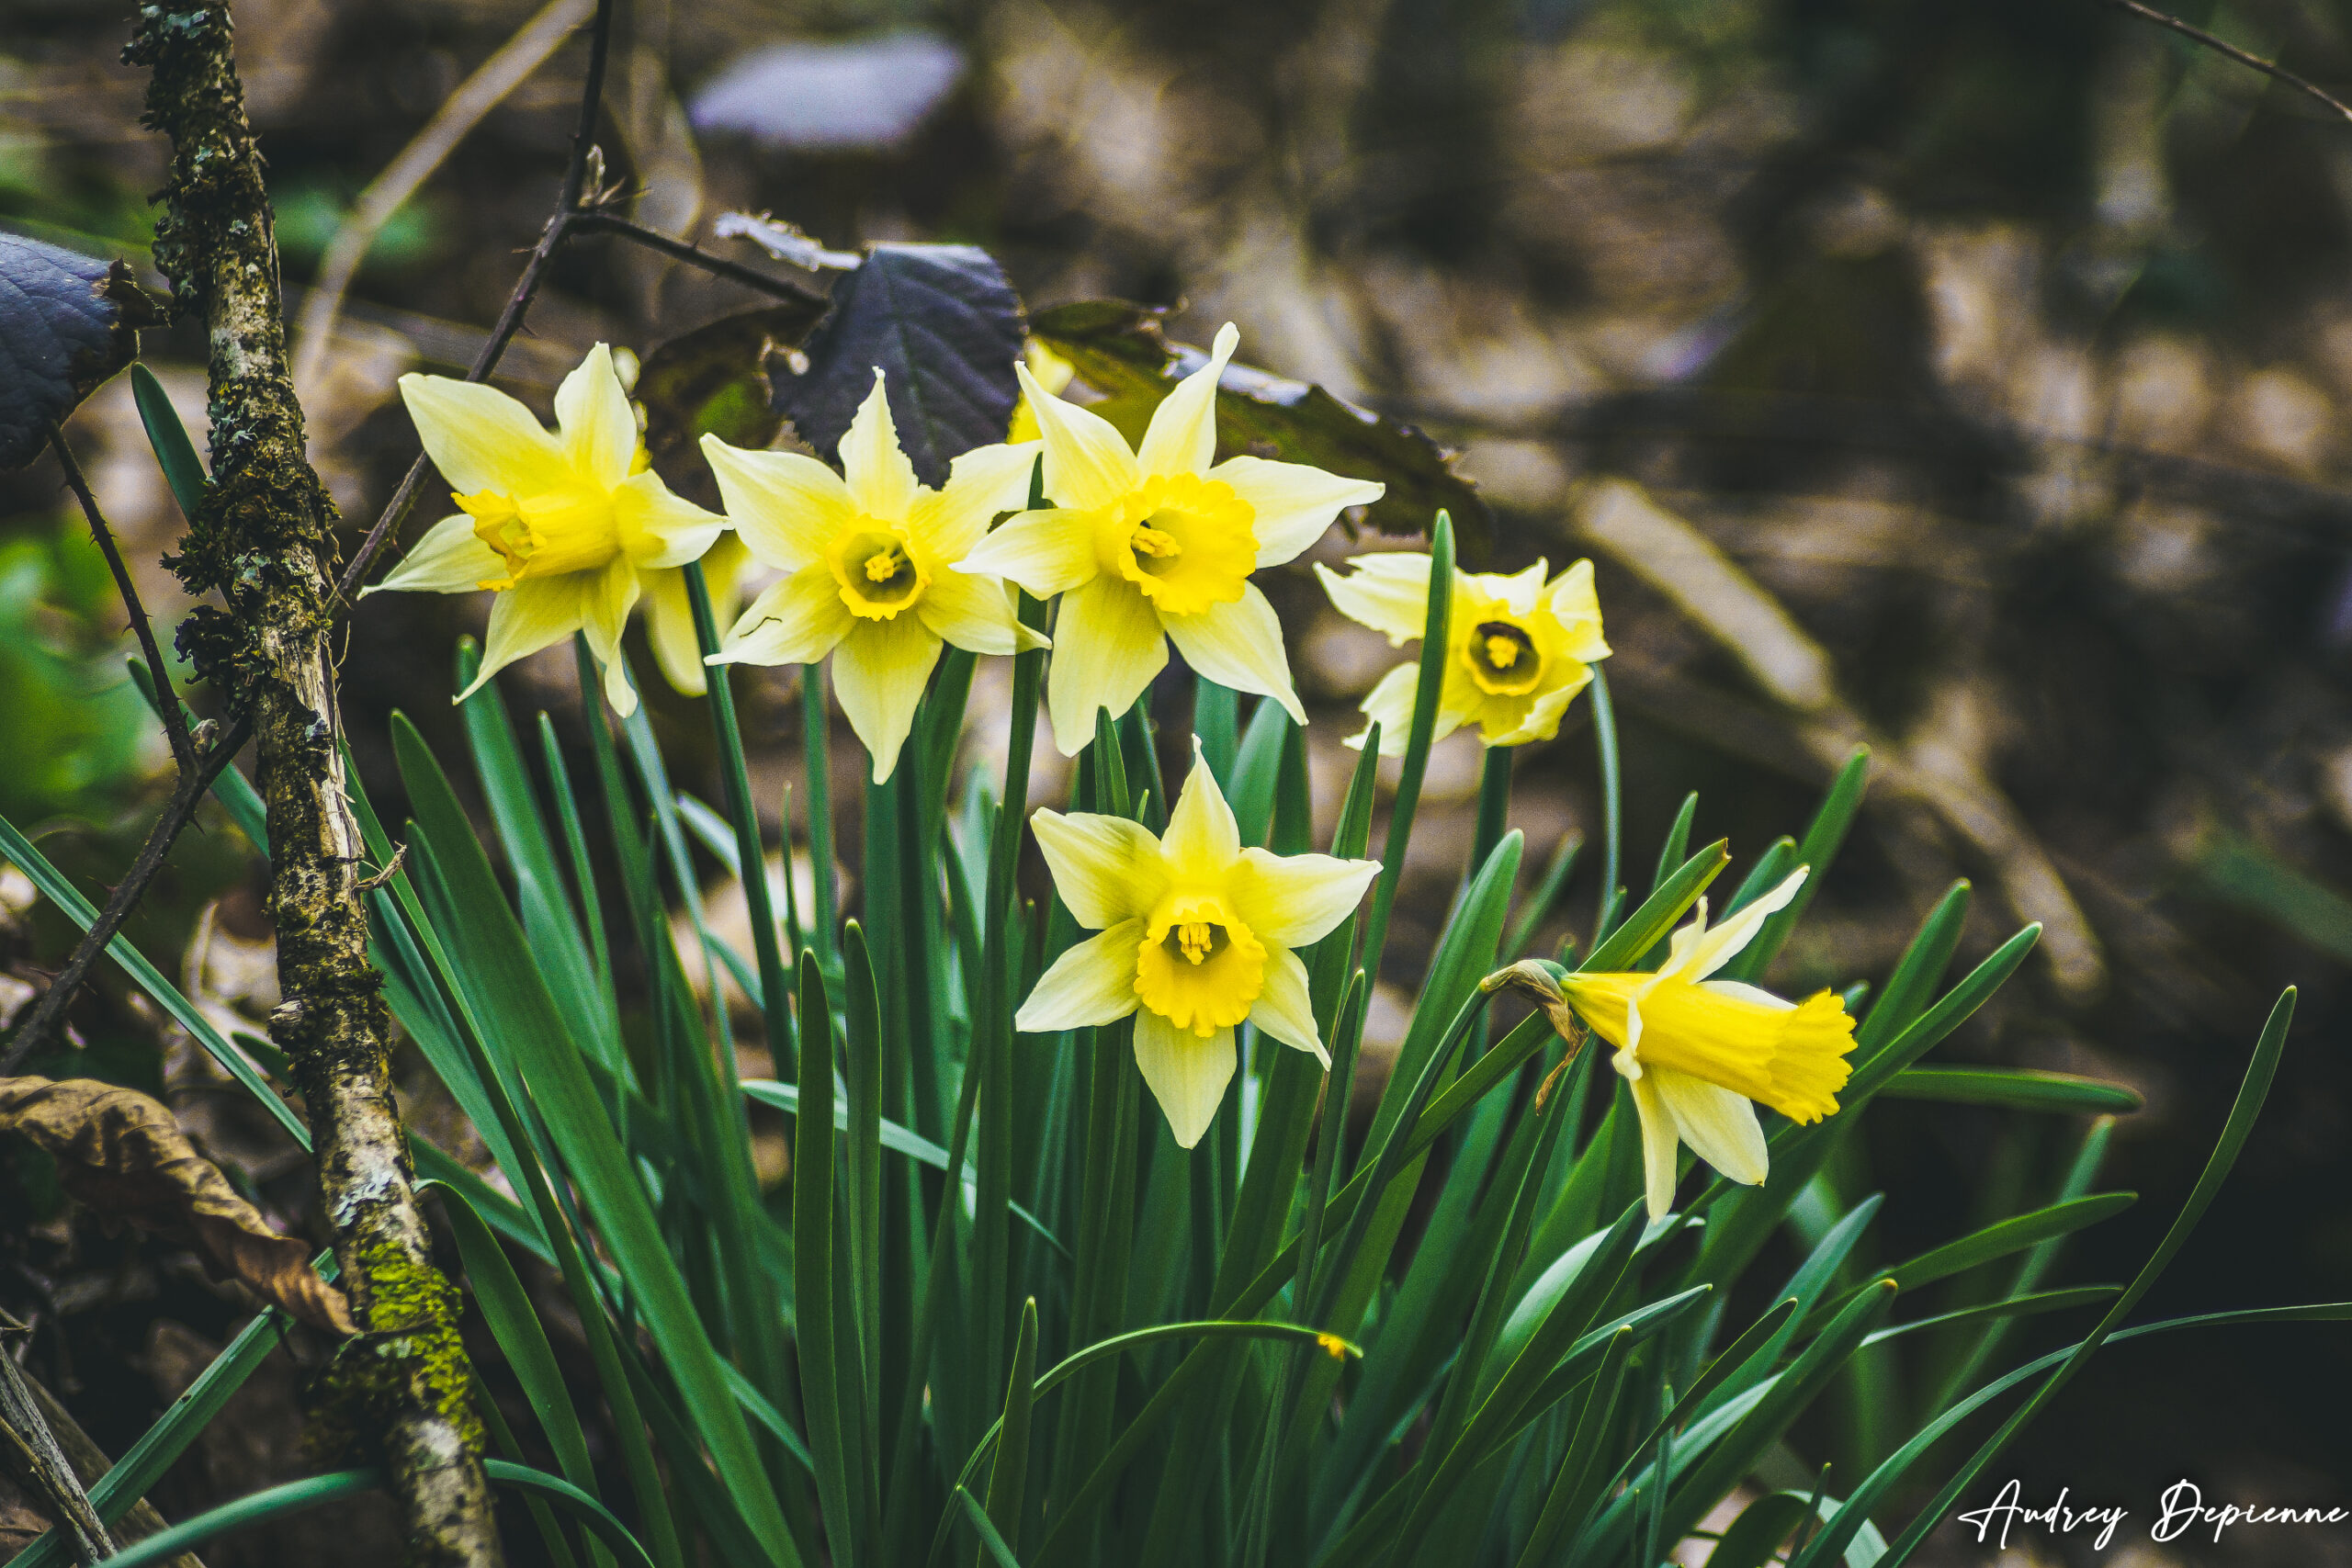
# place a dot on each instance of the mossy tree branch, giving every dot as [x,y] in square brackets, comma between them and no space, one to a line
[263,540]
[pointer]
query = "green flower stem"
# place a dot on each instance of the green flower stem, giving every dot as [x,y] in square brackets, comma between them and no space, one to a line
[1417,741]
[815,753]
[774,986]
[1604,732]
[1494,802]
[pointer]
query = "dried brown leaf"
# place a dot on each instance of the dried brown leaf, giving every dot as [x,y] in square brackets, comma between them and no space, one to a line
[124,1155]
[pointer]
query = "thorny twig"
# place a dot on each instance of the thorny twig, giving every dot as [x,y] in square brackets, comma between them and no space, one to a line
[175,726]
[2228,51]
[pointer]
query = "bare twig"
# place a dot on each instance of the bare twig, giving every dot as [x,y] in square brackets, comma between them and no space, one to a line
[183,749]
[43,1462]
[186,796]
[790,289]
[2229,51]
[389,191]
[526,288]
[188,793]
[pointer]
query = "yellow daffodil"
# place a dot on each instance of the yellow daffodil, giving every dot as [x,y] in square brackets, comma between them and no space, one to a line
[1195,936]
[1696,1051]
[869,555]
[569,527]
[1153,545]
[1518,647]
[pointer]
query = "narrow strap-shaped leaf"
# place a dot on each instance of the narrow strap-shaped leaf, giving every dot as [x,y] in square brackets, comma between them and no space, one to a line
[1009,1480]
[992,1543]
[1430,685]
[175,453]
[1641,930]
[2015,1088]
[2244,1113]
[514,1324]
[813,1241]
[1819,847]
[1577,1481]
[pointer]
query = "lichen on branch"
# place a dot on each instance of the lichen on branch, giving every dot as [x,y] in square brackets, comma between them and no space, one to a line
[263,539]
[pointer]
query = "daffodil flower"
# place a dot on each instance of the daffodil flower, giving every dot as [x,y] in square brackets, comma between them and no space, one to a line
[1517,648]
[868,554]
[1196,935]
[569,527]
[1152,544]
[1696,1051]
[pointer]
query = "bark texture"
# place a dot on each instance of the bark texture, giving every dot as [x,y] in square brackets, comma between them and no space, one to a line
[263,539]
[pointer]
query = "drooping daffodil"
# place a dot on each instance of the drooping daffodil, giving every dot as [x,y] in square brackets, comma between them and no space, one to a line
[1196,935]
[1519,648]
[568,527]
[1152,544]
[869,557]
[1701,1055]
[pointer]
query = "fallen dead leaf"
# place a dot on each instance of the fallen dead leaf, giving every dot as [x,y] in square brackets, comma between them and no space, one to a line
[124,1155]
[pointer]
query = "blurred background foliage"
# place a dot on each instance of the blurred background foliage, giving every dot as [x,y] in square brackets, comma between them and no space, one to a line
[1982,363]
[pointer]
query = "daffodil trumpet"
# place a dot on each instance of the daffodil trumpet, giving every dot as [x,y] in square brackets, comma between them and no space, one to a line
[1196,935]
[1518,647]
[569,527]
[871,557]
[1156,544]
[1700,1054]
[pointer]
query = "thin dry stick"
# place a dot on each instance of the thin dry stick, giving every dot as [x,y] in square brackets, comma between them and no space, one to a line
[526,288]
[2228,51]
[781,288]
[174,728]
[188,796]
[391,190]
[41,1458]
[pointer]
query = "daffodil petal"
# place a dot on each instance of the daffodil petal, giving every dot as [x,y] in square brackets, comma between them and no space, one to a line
[974,613]
[1284,1010]
[1294,503]
[670,629]
[1291,900]
[881,479]
[1093,983]
[536,612]
[1088,463]
[1744,992]
[1203,840]
[658,528]
[450,559]
[1388,591]
[788,508]
[1719,1125]
[1185,1073]
[1107,647]
[797,621]
[1574,604]
[1106,869]
[593,421]
[606,602]
[1389,705]
[1661,1147]
[1541,721]
[1239,645]
[1047,552]
[982,484]
[1517,592]
[879,670]
[1719,947]
[481,439]
[1181,437]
